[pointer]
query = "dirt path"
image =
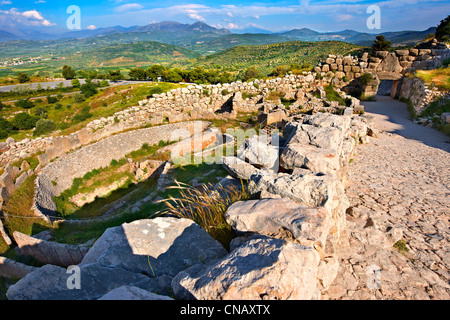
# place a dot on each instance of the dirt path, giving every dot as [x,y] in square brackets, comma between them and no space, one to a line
[400,189]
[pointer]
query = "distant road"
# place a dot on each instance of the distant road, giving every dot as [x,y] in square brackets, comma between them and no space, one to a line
[67,83]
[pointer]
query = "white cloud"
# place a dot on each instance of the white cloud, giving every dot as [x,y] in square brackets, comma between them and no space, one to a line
[196,16]
[13,18]
[40,1]
[6,2]
[91,27]
[128,7]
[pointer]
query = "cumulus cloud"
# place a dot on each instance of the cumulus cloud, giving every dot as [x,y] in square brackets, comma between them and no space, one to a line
[6,2]
[196,16]
[91,27]
[14,17]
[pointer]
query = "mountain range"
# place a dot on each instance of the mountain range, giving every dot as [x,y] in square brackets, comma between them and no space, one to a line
[187,35]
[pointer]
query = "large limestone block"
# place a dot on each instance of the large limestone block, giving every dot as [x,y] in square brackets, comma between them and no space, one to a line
[280,218]
[53,283]
[262,268]
[257,150]
[48,252]
[239,168]
[314,190]
[324,120]
[14,270]
[160,246]
[297,155]
[390,64]
[322,137]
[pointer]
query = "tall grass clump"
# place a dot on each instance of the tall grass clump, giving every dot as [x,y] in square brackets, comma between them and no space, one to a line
[17,213]
[206,207]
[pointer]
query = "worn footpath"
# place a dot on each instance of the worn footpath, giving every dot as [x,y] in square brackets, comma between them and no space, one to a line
[399,191]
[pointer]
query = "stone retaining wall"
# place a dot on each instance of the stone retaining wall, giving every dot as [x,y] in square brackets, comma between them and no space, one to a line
[417,93]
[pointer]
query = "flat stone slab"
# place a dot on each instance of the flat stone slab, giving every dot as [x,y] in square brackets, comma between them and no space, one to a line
[297,155]
[238,168]
[276,217]
[160,246]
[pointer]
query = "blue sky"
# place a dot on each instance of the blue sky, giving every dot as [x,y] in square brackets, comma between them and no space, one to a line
[319,15]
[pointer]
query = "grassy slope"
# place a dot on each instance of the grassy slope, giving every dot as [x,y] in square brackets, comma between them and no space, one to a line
[266,57]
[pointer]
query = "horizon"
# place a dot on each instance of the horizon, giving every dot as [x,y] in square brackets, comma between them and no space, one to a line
[321,15]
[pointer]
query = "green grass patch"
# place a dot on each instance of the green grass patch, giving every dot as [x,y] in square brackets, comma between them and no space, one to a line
[400,245]
[332,95]
[18,215]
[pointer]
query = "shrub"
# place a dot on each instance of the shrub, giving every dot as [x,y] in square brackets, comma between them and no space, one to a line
[365,79]
[23,77]
[88,89]
[51,100]
[24,104]
[75,83]
[23,121]
[154,90]
[44,126]
[58,106]
[39,111]
[79,98]
[83,115]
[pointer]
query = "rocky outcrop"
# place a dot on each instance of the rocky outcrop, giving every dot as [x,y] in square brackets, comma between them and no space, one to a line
[14,270]
[146,254]
[263,268]
[48,252]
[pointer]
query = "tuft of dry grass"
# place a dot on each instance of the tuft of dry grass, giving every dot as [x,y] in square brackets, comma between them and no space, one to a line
[206,207]
[436,77]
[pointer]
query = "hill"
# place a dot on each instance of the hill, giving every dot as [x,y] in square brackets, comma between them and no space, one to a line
[266,57]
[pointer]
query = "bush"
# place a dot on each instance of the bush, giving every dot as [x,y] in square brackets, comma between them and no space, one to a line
[44,126]
[89,89]
[79,98]
[23,121]
[83,115]
[365,79]
[23,77]
[75,83]
[5,125]
[51,100]
[24,104]
[154,90]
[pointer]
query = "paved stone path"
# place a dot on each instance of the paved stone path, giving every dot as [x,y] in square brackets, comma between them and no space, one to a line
[400,190]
